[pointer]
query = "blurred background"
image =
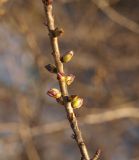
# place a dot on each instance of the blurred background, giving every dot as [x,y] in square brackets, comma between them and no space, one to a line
[104,34]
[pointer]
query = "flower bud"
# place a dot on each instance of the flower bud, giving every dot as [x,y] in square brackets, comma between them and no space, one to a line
[51,68]
[76,101]
[55,93]
[69,79]
[57,32]
[67,57]
[61,76]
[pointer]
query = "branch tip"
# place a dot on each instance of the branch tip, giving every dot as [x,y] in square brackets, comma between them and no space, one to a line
[97,155]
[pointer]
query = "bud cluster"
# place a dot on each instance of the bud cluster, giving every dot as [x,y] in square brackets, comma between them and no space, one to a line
[76,101]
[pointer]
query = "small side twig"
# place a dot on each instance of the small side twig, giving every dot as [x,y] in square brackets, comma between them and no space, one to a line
[97,155]
[53,34]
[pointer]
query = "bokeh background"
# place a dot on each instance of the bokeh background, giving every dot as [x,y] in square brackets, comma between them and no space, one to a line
[104,34]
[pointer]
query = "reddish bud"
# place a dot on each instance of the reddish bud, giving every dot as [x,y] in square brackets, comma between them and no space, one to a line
[61,76]
[55,93]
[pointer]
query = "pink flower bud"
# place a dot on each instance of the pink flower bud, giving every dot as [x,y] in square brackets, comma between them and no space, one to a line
[55,93]
[69,79]
[61,76]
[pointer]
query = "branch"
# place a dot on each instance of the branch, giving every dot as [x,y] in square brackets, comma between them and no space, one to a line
[116,17]
[63,86]
[24,128]
[127,111]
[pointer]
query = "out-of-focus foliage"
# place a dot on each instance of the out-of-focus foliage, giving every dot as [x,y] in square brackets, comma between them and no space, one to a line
[106,65]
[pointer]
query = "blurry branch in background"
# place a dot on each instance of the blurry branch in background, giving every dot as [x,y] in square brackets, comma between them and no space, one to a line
[2,2]
[71,1]
[39,59]
[24,128]
[31,40]
[117,17]
[126,110]
[105,7]
[2,9]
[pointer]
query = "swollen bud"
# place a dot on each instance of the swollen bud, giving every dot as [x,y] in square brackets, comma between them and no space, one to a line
[69,79]
[57,32]
[51,68]
[76,101]
[55,93]
[67,57]
[61,76]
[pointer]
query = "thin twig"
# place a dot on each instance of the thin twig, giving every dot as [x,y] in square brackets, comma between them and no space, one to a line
[25,130]
[117,17]
[97,155]
[92,119]
[63,87]
[126,110]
